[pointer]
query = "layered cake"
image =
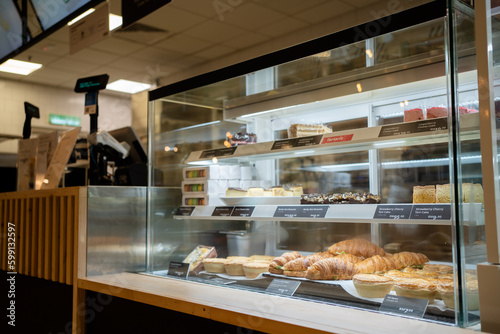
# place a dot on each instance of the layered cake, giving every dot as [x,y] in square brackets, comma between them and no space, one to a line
[472,193]
[303,130]
[242,138]
[443,193]
[414,115]
[437,112]
[236,192]
[345,198]
[424,194]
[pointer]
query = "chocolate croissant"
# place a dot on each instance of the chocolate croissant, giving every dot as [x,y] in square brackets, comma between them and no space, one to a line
[406,259]
[358,247]
[335,268]
[302,263]
[376,264]
[276,265]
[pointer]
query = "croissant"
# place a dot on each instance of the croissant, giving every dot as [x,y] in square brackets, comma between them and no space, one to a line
[339,267]
[358,247]
[406,259]
[302,263]
[276,265]
[376,264]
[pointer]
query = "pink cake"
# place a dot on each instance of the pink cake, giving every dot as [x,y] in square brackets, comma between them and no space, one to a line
[463,110]
[414,115]
[436,112]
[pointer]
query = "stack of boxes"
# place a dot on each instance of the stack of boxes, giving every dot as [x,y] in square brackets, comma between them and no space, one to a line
[204,185]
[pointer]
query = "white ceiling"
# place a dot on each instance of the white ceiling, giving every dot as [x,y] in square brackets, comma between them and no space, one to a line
[195,33]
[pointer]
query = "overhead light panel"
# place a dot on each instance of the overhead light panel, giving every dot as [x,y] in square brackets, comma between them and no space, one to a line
[81,16]
[19,67]
[115,21]
[127,86]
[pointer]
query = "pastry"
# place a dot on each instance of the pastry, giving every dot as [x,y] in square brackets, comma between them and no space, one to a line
[302,263]
[436,112]
[297,190]
[416,288]
[255,191]
[424,194]
[234,267]
[334,268]
[301,130]
[376,264]
[214,265]
[252,269]
[196,257]
[345,198]
[357,247]
[295,273]
[267,258]
[407,259]
[276,265]
[443,193]
[236,192]
[372,286]
[277,191]
[413,115]
[472,193]
[446,291]
[439,269]
[241,138]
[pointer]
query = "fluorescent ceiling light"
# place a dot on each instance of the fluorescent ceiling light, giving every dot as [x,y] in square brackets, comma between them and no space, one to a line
[19,67]
[81,16]
[127,86]
[115,21]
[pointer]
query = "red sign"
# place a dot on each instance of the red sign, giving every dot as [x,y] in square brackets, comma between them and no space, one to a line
[336,139]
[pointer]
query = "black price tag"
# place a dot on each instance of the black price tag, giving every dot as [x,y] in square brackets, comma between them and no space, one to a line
[431,212]
[222,211]
[309,211]
[185,211]
[412,307]
[283,287]
[283,144]
[392,212]
[308,141]
[436,124]
[243,211]
[179,269]
[221,152]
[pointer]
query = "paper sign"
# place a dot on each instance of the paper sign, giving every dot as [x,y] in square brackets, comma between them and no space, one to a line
[60,159]
[283,287]
[412,307]
[89,30]
[179,269]
[47,144]
[26,161]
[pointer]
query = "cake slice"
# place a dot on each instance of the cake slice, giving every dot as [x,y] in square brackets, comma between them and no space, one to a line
[424,194]
[255,191]
[413,115]
[443,193]
[236,192]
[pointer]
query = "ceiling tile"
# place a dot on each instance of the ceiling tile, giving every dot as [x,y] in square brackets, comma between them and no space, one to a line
[246,40]
[53,76]
[204,8]
[215,52]
[291,7]
[117,46]
[214,31]
[325,11]
[36,57]
[251,16]
[94,56]
[183,44]
[155,55]
[67,64]
[172,19]
[282,27]
[61,35]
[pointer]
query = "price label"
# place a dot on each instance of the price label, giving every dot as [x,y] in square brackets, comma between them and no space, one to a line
[221,152]
[284,144]
[308,141]
[222,211]
[392,212]
[310,211]
[436,124]
[185,211]
[283,287]
[412,307]
[431,212]
[179,269]
[243,211]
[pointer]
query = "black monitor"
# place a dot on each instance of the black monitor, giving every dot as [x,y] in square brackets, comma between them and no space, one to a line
[11,28]
[137,153]
[50,13]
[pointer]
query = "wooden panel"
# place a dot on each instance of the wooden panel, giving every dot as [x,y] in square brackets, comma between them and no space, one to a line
[46,231]
[47,263]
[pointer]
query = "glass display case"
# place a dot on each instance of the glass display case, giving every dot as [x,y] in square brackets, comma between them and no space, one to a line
[330,169]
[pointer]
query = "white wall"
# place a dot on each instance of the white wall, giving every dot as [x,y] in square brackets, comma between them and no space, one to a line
[115,111]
